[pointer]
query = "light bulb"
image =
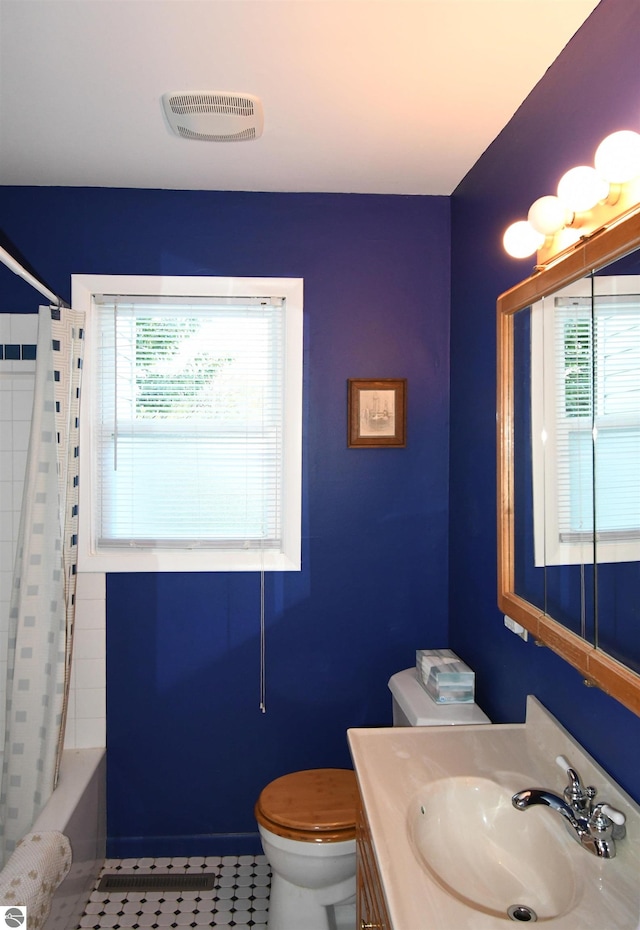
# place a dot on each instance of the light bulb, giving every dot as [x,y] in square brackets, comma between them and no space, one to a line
[548,215]
[582,188]
[521,240]
[618,157]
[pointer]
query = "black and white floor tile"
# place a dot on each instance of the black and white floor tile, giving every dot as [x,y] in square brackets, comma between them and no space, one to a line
[239,897]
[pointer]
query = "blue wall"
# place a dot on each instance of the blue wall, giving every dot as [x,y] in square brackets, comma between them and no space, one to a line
[592,89]
[188,749]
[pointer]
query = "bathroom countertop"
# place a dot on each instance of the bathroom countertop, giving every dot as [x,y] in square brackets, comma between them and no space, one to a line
[394,764]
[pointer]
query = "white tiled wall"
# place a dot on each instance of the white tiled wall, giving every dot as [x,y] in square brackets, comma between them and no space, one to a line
[86,721]
[86,718]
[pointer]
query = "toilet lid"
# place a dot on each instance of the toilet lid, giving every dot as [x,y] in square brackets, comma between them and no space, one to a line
[316,801]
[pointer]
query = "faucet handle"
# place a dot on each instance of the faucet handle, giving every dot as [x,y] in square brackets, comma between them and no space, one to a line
[575,793]
[568,769]
[605,826]
[614,815]
[607,822]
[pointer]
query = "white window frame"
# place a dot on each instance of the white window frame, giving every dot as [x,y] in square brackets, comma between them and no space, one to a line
[93,559]
[550,545]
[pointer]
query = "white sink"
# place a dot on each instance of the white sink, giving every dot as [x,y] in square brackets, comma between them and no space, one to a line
[453,853]
[490,856]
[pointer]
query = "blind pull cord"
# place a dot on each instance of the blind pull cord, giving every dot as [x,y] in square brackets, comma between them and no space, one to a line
[115,387]
[263,669]
[263,683]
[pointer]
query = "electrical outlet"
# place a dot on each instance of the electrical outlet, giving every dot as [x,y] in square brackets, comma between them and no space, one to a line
[516,628]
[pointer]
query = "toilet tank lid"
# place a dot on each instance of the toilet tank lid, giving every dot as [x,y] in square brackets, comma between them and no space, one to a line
[422,711]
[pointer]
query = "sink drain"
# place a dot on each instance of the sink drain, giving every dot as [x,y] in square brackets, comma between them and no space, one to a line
[522,913]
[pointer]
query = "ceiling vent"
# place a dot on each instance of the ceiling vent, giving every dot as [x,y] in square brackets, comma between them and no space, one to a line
[214,116]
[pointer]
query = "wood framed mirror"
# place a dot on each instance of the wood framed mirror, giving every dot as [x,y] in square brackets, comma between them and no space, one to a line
[570,603]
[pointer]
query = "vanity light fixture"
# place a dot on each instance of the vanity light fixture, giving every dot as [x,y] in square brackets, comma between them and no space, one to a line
[587,199]
[522,239]
[618,157]
[580,189]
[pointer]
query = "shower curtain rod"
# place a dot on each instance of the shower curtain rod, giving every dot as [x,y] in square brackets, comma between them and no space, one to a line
[17,268]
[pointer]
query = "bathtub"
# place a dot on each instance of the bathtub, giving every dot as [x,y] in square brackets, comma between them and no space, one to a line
[77,809]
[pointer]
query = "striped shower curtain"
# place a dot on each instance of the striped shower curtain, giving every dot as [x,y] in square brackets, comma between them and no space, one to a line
[43,593]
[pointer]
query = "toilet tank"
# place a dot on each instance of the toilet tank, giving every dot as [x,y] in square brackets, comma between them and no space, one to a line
[413,707]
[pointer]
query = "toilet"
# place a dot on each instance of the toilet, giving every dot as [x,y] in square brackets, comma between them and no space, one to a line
[307,824]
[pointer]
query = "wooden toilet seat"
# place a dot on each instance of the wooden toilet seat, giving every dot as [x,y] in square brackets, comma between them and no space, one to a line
[312,806]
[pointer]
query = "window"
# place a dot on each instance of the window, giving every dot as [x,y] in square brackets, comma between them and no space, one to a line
[586,423]
[190,423]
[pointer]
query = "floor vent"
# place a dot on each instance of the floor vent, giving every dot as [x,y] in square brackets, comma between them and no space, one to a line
[157,881]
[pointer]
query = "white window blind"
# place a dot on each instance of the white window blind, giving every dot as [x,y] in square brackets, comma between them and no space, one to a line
[591,428]
[192,419]
[601,418]
[195,432]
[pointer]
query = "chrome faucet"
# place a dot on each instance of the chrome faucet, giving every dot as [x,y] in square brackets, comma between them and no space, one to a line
[596,827]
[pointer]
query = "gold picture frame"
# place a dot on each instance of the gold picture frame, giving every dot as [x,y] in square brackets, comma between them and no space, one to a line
[377,413]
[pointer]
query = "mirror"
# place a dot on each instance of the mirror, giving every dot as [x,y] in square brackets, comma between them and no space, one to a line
[569,457]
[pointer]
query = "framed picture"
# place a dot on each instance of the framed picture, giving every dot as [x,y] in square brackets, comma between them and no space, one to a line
[377,412]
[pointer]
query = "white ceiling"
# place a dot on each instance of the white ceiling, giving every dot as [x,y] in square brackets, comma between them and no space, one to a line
[362,96]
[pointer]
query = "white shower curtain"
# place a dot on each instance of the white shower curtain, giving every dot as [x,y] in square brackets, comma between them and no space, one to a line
[43,594]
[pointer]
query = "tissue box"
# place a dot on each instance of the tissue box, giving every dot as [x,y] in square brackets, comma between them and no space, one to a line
[445,677]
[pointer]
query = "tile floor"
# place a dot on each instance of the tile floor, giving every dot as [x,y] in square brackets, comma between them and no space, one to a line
[239,898]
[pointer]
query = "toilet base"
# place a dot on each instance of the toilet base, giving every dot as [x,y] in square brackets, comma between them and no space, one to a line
[294,908]
[310,882]
[343,916]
